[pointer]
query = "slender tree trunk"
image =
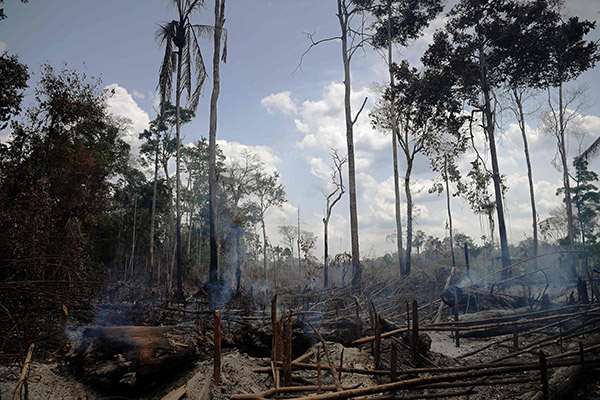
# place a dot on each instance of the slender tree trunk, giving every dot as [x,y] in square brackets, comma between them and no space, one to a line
[562,148]
[325,245]
[133,236]
[179,293]
[395,132]
[409,213]
[534,224]
[449,211]
[153,212]
[356,267]
[264,231]
[212,143]
[298,243]
[489,128]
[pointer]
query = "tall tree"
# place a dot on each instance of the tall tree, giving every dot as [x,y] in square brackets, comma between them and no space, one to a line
[569,55]
[465,50]
[219,35]
[351,20]
[158,144]
[270,193]
[183,59]
[239,183]
[13,81]
[56,178]
[399,21]
[426,110]
[331,200]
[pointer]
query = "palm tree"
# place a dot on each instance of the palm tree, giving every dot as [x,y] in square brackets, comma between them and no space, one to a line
[183,59]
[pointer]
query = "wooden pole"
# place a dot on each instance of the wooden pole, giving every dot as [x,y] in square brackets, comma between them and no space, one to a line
[357,318]
[515,337]
[287,372]
[24,371]
[415,332]
[582,359]
[377,341]
[456,332]
[319,377]
[334,374]
[274,323]
[217,342]
[467,260]
[393,363]
[280,339]
[341,365]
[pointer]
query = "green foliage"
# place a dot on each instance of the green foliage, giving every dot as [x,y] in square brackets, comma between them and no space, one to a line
[55,177]
[13,81]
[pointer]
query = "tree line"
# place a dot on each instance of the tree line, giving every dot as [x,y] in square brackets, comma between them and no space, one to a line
[75,205]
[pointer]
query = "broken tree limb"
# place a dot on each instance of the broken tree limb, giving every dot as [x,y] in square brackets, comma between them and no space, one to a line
[332,369]
[176,394]
[287,389]
[24,371]
[418,382]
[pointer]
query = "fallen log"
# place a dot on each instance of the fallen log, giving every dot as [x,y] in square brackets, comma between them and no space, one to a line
[129,356]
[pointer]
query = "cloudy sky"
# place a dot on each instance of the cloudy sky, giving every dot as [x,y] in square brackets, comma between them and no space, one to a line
[291,117]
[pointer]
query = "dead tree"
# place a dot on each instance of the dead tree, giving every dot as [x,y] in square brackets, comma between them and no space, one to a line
[330,201]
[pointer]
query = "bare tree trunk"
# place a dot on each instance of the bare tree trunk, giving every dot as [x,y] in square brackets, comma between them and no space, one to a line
[153,212]
[133,232]
[521,118]
[395,132]
[264,231]
[409,213]
[449,210]
[356,267]
[489,128]
[212,142]
[562,149]
[298,243]
[179,293]
[325,244]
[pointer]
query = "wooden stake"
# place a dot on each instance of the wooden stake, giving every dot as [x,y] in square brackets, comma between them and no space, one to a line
[24,371]
[377,354]
[393,363]
[319,378]
[544,375]
[515,337]
[456,332]
[287,371]
[415,332]
[341,365]
[217,341]
[357,318]
[274,323]
[280,339]
[332,369]
[582,359]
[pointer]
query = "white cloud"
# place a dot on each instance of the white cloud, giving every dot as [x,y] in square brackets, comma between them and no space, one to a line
[265,153]
[280,102]
[122,104]
[138,95]
[2,46]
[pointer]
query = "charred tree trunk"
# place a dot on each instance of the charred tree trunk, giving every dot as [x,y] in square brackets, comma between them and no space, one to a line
[489,126]
[212,142]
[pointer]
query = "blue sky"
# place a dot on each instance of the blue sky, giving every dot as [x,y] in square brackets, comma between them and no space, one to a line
[290,119]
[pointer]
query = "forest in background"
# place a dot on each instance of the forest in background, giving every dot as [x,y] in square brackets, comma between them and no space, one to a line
[75,206]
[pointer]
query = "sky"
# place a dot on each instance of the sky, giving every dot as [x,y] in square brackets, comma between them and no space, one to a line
[291,115]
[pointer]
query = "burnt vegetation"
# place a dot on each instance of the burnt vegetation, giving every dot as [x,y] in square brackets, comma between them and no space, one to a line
[154,276]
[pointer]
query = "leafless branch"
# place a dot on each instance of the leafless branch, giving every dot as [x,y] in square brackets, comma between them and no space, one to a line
[359,111]
[313,43]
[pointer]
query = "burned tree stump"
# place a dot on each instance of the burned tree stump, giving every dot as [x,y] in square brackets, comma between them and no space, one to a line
[122,357]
